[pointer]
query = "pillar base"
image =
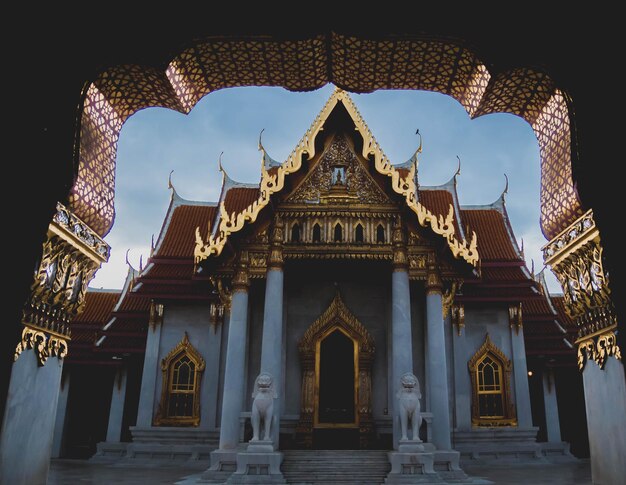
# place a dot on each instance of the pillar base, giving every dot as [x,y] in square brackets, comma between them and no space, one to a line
[258,467]
[223,465]
[430,466]
[411,468]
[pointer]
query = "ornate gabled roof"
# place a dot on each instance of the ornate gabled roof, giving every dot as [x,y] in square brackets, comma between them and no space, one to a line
[499,206]
[129,315]
[169,270]
[493,225]
[403,182]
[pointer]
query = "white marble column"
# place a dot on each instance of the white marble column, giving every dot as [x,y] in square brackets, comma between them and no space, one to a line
[401,341]
[151,371]
[234,373]
[272,344]
[29,420]
[553,428]
[61,419]
[605,403]
[116,411]
[436,364]
[520,377]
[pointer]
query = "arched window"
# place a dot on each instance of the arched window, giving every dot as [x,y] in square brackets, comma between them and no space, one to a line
[180,396]
[338,233]
[380,234]
[317,233]
[358,233]
[490,372]
[295,233]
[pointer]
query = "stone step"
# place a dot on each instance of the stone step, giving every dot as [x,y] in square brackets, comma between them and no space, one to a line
[345,467]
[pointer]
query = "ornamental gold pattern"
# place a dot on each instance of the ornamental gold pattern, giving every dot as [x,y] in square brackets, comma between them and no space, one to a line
[273,181]
[509,419]
[183,349]
[575,256]
[598,349]
[44,345]
[457,317]
[71,255]
[515,317]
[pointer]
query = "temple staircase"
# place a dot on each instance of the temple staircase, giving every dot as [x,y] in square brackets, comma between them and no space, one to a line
[363,467]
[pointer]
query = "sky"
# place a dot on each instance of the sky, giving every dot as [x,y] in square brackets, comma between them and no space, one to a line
[155,141]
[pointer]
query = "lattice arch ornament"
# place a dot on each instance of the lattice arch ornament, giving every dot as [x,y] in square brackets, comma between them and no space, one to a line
[182,372]
[353,63]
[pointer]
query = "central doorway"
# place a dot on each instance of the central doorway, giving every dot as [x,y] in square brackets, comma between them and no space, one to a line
[336,418]
[336,354]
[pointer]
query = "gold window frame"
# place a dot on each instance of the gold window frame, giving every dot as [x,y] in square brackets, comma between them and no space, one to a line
[183,348]
[509,418]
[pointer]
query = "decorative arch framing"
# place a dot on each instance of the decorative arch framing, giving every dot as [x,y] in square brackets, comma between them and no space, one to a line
[336,316]
[353,63]
[182,371]
[494,391]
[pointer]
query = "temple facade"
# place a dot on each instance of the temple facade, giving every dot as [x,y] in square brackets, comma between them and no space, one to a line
[323,287]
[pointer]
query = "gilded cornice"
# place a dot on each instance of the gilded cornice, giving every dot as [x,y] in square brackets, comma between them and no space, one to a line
[273,181]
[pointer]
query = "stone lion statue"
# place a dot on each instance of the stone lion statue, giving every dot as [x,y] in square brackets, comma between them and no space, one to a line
[409,406]
[263,406]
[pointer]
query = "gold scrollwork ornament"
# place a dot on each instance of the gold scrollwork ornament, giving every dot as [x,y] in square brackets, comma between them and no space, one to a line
[36,340]
[606,346]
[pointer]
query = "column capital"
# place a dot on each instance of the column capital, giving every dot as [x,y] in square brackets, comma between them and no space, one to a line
[400,258]
[275,260]
[241,280]
[433,280]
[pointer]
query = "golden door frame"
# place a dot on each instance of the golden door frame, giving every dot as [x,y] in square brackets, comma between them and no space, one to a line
[336,317]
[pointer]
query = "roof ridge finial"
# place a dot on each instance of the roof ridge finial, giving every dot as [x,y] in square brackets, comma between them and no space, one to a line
[261,147]
[522,248]
[140,263]
[532,267]
[225,176]
[220,167]
[152,247]
[170,185]
[458,169]
[506,187]
[419,148]
[127,261]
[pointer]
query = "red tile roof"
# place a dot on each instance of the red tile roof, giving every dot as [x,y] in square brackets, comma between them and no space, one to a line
[238,198]
[503,273]
[98,307]
[179,240]
[162,270]
[537,308]
[438,202]
[134,302]
[494,243]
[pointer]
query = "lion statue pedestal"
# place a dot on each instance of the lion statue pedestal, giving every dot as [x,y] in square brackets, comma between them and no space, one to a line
[414,461]
[260,463]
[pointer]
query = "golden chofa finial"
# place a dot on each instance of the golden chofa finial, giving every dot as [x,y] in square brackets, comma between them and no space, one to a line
[419,148]
[506,186]
[458,169]
[219,164]
[261,148]
[169,181]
